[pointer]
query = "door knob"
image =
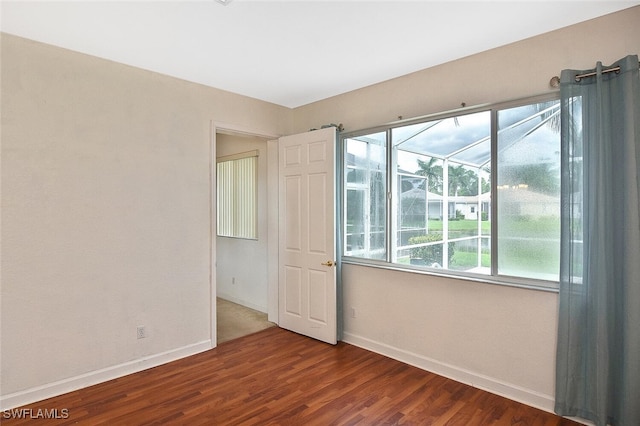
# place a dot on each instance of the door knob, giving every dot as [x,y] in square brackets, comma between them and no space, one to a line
[328,263]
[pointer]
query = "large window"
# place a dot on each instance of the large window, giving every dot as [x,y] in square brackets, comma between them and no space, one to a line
[424,193]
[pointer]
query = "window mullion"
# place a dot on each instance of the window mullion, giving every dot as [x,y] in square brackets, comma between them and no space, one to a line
[392,200]
[445,217]
[367,202]
[494,193]
[479,215]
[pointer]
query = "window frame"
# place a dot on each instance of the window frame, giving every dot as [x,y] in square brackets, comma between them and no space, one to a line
[387,263]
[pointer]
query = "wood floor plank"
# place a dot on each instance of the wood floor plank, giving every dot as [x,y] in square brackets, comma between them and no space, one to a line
[275,377]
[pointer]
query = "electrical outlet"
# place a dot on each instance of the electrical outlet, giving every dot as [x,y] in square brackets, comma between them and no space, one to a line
[233,280]
[353,312]
[142,332]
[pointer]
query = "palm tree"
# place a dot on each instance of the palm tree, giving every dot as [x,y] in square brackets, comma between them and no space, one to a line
[462,181]
[433,172]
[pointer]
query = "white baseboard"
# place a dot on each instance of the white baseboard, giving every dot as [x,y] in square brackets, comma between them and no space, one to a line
[60,387]
[489,384]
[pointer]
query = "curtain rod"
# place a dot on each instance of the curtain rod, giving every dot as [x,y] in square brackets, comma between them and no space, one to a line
[555,81]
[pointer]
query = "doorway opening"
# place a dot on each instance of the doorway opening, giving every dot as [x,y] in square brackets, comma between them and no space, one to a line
[241,271]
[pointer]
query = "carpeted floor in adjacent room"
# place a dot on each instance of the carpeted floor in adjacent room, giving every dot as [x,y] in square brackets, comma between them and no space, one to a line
[236,320]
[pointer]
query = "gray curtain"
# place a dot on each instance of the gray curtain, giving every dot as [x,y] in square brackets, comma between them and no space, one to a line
[598,353]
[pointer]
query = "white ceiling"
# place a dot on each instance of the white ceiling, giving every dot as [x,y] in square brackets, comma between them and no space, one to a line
[290,52]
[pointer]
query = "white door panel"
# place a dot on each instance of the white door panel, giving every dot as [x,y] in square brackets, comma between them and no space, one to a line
[307,283]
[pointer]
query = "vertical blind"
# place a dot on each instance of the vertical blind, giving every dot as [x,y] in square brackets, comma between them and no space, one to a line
[237,195]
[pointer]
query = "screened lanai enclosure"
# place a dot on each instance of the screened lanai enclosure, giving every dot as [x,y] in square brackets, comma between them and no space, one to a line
[423,193]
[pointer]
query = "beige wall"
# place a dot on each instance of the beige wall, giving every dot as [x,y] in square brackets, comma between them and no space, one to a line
[499,338]
[105,214]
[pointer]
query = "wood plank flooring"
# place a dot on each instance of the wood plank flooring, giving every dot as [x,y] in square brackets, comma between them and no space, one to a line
[275,377]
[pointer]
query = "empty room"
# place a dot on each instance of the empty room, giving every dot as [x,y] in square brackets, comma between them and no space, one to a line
[432,205]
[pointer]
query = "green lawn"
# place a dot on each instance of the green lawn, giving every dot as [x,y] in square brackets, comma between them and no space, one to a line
[466,260]
[524,242]
[540,227]
[461,225]
[521,227]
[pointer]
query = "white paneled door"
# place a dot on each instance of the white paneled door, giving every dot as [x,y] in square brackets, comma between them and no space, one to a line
[307,254]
